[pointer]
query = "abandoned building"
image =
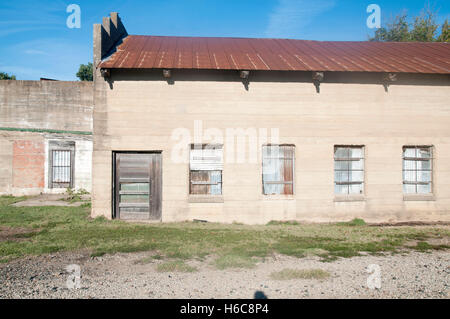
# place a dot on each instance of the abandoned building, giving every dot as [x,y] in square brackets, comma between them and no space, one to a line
[238,130]
[332,130]
[45,136]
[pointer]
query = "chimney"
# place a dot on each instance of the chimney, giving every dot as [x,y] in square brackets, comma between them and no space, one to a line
[106,37]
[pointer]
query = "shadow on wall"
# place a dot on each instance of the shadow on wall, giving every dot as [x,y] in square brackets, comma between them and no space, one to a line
[273,76]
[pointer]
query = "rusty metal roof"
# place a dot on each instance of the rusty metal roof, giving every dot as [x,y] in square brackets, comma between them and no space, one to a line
[154,52]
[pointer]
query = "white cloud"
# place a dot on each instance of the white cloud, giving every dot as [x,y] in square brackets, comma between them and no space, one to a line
[35,52]
[291,16]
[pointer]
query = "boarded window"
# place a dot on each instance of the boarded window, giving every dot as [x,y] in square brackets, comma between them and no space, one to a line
[278,169]
[348,170]
[417,169]
[206,165]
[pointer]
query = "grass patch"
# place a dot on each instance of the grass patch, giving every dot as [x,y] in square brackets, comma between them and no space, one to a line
[9,200]
[288,274]
[175,266]
[423,246]
[354,222]
[288,222]
[52,229]
[234,261]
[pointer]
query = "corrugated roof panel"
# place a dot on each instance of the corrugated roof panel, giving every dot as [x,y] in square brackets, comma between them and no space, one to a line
[149,52]
[218,57]
[201,54]
[266,53]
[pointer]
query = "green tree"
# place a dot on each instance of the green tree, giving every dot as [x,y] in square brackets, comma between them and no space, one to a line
[445,33]
[85,72]
[397,30]
[423,28]
[6,76]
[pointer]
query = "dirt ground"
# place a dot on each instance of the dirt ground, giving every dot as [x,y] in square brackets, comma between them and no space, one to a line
[51,200]
[409,275]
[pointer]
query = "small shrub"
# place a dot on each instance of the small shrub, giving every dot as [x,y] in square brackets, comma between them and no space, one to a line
[75,196]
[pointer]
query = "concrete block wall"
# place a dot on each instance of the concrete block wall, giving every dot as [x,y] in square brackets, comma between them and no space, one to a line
[140,112]
[55,105]
[29,112]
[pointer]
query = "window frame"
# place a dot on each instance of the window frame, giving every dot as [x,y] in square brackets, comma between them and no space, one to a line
[278,182]
[60,145]
[418,159]
[348,194]
[192,147]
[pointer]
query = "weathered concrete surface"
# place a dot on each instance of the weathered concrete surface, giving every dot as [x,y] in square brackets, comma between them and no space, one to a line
[53,105]
[140,111]
[24,162]
[51,200]
[43,105]
[106,36]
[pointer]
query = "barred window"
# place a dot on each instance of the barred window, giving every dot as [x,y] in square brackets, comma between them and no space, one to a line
[348,170]
[278,169]
[417,169]
[61,166]
[206,165]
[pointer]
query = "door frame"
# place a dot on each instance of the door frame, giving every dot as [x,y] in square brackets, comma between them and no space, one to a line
[114,182]
[60,145]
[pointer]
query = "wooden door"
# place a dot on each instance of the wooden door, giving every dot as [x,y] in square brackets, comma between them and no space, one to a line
[137,186]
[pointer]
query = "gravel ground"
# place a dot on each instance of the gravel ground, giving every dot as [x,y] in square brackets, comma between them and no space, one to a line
[409,275]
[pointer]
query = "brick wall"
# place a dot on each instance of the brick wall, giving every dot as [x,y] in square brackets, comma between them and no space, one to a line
[28,164]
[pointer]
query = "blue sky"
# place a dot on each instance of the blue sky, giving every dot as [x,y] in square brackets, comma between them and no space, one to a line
[35,41]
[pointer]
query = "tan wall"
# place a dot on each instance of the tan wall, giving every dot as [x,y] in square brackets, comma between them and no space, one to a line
[138,111]
[56,105]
